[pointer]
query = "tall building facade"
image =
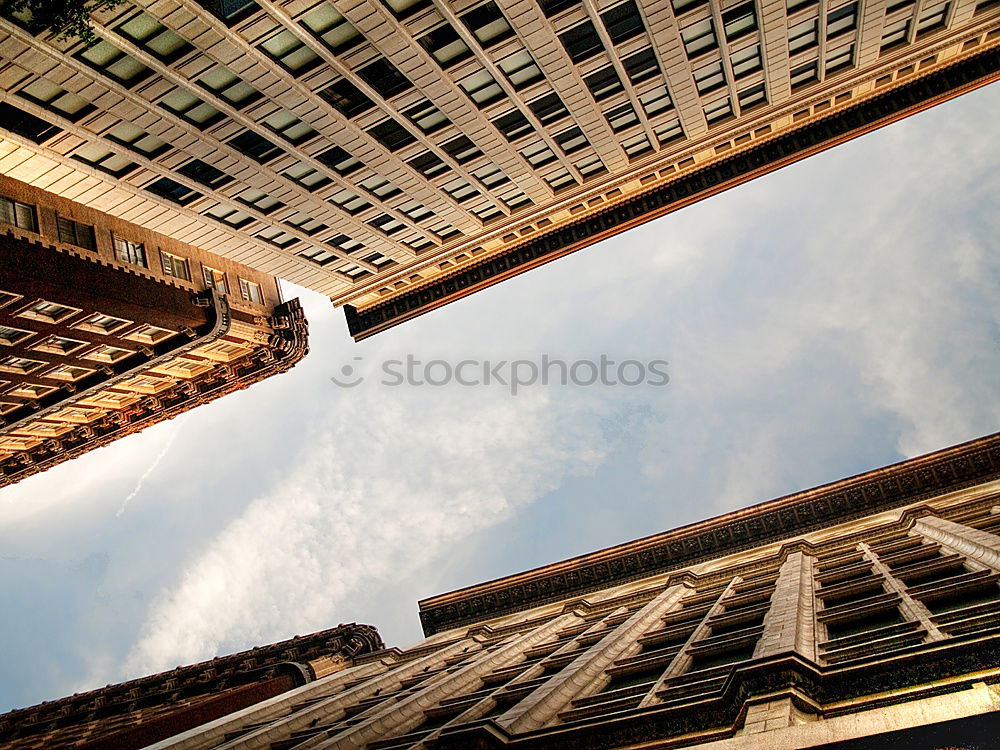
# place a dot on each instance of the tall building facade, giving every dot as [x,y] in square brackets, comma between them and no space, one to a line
[107,327]
[857,615]
[138,713]
[397,155]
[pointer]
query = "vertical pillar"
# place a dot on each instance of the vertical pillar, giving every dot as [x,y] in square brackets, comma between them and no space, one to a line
[584,675]
[974,544]
[790,623]
[912,608]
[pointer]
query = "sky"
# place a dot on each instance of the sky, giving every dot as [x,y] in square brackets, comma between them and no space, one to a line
[832,317]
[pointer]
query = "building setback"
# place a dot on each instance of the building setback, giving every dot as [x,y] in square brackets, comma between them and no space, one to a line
[137,713]
[107,328]
[397,155]
[861,614]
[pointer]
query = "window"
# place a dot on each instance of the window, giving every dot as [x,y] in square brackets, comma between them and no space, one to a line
[229,215]
[391,134]
[289,127]
[682,6]
[560,180]
[149,334]
[108,354]
[513,125]
[386,224]
[604,83]
[445,45]
[129,252]
[404,8]
[10,336]
[137,139]
[804,74]
[839,59]
[339,160]
[108,59]
[305,223]
[56,99]
[175,265]
[317,255]
[699,38]
[380,187]
[932,17]
[491,176]
[571,140]
[256,147]
[20,215]
[641,66]
[802,36]
[330,27]
[548,109]
[623,22]
[622,117]
[521,69]
[206,174]
[538,155]
[655,101]
[103,158]
[230,11]
[146,32]
[709,78]
[487,24]
[59,345]
[895,34]
[223,83]
[215,279]
[189,107]
[103,324]
[277,237]
[428,164]
[427,117]
[460,190]
[746,61]
[259,200]
[461,149]
[250,291]
[752,96]
[48,312]
[739,21]
[841,20]
[482,88]
[345,243]
[19,365]
[552,7]
[793,6]
[173,191]
[74,233]
[581,42]
[290,52]
[28,126]
[350,201]
[346,98]
[719,111]
[304,175]
[385,78]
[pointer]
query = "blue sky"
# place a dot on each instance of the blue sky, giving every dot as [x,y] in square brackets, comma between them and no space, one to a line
[832,317]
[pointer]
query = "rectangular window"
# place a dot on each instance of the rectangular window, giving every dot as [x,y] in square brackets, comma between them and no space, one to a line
[521,70]
[305,223]
[115,64]
[461,149]
[250,291]
[204,173]
[215,279]
[290,52]
[710,78]
[641,66]
[604,83]
[56,99]
[752,96]
[189,107]
[380,187]
[230,11]
[328,25]
[385,78]
[229,215]
[931,18]
[623,22]
[26,125]
[317,255]
[804,74]
[137,139]
[895,34]
[10,336]
[571,140]
[339,160]
[289,127]
[103,158]
[746,61]
[839,59]
[699,38]
[446,46]
[581,42]
[842,20]
[427,117]
[173,191]
[74,233]
[175,265]
[225,84]
[482,88]
[513,125]
[488,24]
[739,21]
[386,224]
[428,164]
[719,111]
[621,118]
[406,8]
[256,147]
[20,215]
[304,175]
[548,109]
[391,134]
[346,98]
[350,202]
[259,200]
[152,36]
[277,237]
[803,36]
[129,252]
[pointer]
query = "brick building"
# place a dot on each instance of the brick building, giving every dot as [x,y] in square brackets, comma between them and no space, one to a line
[863,614]
[397,155]
[137,713]
[107,327]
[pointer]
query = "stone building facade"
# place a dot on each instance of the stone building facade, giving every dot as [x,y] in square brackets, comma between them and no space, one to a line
[857,615]
[397,155]
[107,328]
[137,713]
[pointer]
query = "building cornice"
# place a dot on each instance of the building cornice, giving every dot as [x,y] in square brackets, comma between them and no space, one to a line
[815,136]
[894,486]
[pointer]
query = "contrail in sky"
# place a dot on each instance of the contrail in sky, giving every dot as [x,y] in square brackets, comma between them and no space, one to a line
[151,468]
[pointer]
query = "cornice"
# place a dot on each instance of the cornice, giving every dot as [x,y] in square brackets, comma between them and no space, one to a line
[822,133]
[893,486]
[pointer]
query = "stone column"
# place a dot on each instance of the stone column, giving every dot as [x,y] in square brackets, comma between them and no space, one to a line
[980,546]
[406,715]
[790,623]
[584,675]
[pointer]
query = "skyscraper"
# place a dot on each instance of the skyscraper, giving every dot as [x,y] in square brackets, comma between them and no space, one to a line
[107,328]
[857,615]
[397,155]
